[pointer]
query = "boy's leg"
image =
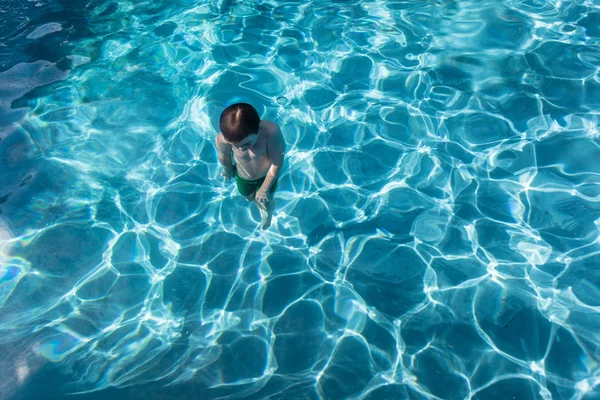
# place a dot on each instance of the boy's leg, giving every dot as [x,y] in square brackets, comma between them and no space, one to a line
[265,211]
[251,198]
[270,207]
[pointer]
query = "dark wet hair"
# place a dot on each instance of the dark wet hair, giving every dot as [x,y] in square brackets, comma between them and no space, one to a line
[238,121]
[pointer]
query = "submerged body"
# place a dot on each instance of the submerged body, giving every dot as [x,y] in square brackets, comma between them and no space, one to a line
[258,159]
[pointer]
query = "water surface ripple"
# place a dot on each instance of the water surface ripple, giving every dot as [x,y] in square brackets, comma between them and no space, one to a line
[437,232]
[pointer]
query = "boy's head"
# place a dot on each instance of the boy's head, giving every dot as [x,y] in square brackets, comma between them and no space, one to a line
[238,122]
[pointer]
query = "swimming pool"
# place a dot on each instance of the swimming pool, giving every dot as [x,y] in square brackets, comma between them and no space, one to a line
[437,224]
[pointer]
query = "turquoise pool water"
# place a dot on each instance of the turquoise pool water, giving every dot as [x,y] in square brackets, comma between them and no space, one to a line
[437,231]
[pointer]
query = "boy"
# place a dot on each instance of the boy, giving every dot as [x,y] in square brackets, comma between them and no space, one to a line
[258,148]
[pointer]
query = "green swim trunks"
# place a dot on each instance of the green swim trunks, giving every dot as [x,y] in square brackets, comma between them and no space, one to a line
[247,187]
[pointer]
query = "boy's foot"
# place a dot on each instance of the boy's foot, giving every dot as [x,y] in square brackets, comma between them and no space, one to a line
[266,219]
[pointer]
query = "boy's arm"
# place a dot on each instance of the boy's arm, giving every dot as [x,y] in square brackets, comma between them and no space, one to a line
[224,156]
[223,151]
[276,149]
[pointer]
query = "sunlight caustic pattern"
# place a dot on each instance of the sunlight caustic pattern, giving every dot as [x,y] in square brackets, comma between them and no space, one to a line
[437,231]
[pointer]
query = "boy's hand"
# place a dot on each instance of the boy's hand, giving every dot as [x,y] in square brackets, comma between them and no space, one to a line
[228,173]
[261,196]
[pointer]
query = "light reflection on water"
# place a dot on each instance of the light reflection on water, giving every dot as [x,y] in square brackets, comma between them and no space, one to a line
[436,232]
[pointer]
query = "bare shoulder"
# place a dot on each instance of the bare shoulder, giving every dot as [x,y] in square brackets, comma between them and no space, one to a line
[275,142]
[220,139]
[271,130]
[222,144]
